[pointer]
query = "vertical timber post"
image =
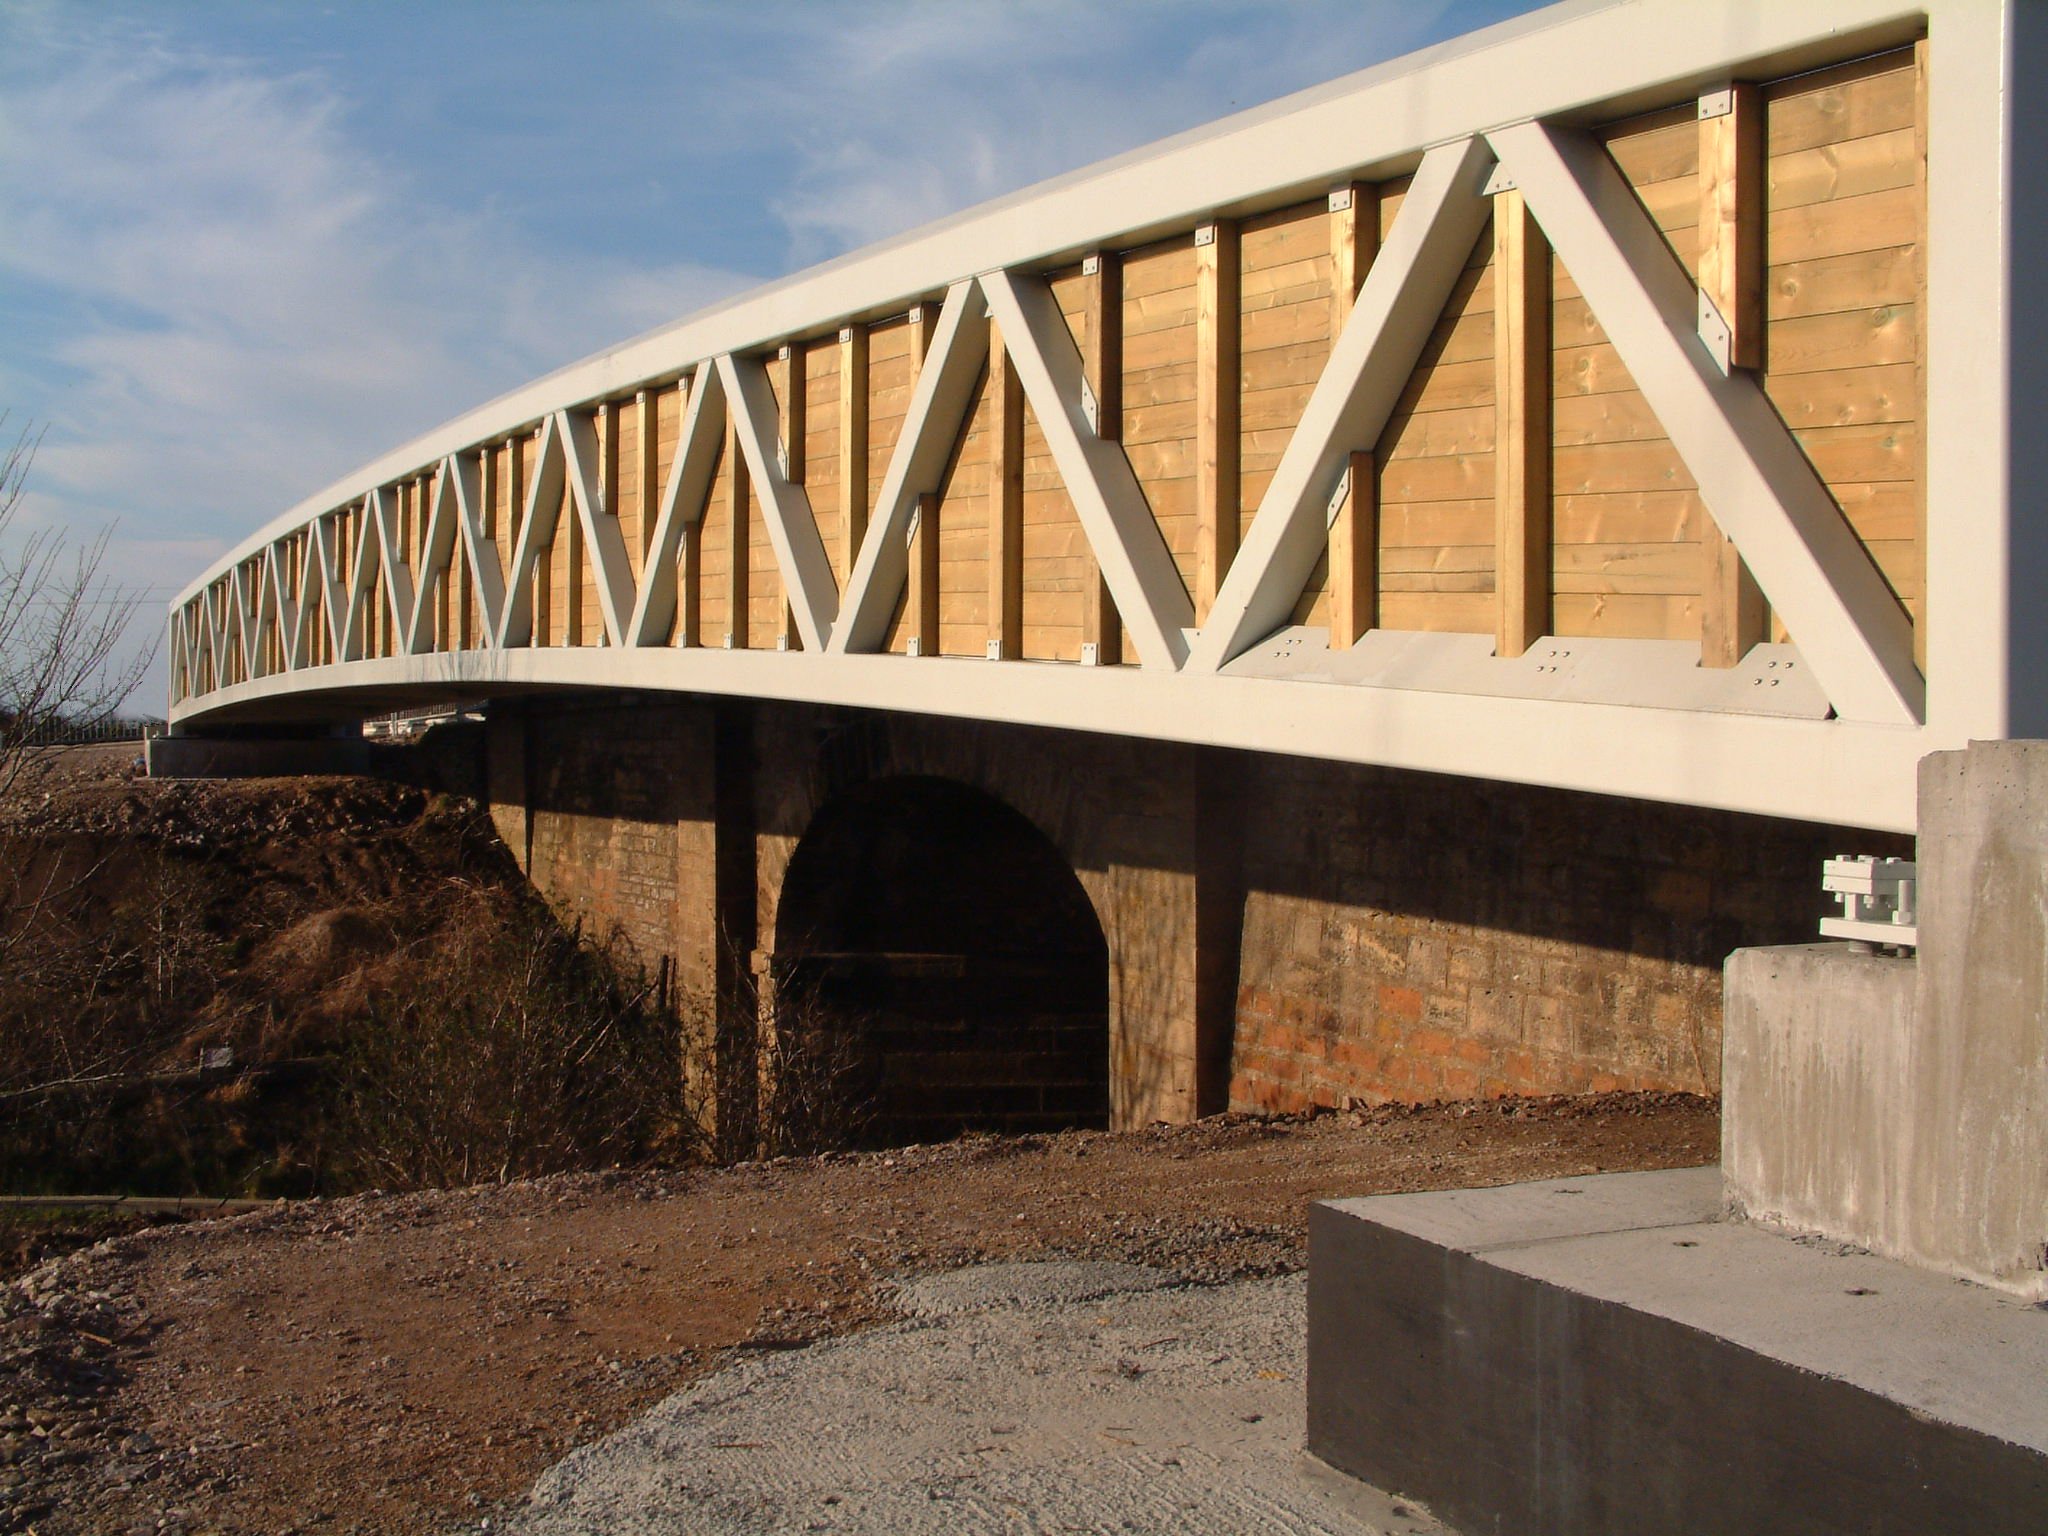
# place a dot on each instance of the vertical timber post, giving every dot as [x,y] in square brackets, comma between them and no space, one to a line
[1521,435]
[1731,265]
[1005,504]
[853,446]
[1102,363]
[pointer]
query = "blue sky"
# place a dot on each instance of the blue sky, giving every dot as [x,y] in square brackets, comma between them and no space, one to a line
[245,247]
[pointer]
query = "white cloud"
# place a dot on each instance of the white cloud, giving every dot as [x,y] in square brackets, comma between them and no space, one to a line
[241,304]
[903,111]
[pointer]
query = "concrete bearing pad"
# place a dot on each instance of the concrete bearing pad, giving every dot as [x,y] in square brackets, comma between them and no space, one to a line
[1607,1355]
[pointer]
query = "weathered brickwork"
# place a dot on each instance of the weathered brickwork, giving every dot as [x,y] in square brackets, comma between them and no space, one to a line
[1408,937]
[1281,933]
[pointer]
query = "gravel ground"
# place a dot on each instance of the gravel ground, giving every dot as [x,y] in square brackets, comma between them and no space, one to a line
[386,1365]
[1013,1398]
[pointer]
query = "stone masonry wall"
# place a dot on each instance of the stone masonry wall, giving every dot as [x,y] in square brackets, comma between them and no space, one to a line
[1409,937]
[1282,933]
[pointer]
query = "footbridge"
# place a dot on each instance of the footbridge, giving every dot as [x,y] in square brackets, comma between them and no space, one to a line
[1621,407]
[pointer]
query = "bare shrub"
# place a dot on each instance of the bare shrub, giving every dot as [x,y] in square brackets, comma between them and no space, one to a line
[96,1004]
[820,1075]
[532,1054]
[62,622]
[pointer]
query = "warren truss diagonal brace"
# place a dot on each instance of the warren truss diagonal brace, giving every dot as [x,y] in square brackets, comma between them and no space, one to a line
[465,472]
[333,604]
[683,499]
[438,551]
[786,507]
[1114,515]
[1757,483]
[601,535]
[1403,296]
[398,582]
[543,507]
[938,407]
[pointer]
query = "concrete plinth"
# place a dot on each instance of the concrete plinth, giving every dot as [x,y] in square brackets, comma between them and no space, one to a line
[1609,1355]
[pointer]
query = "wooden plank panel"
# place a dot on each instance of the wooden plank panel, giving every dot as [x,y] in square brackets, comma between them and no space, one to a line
[1659,146]
[1853,101]
[1469,613]
[1870,222]
[963,545]
[1627,616]
[1854,280]
[1853,338]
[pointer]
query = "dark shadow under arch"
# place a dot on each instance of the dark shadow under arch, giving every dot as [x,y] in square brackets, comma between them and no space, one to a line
[936,953]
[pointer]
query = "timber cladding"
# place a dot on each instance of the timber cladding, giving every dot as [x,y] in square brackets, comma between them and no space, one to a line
[1522,484]
[1282,934]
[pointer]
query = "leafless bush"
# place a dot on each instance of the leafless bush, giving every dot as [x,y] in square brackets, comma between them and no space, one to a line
[819,1077]
[534,1053]
[95,1003]
[62,621]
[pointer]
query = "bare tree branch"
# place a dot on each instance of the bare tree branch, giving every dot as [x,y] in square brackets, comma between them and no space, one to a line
[62,621]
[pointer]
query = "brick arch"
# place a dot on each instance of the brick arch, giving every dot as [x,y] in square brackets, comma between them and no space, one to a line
[939,968]
[1030,774]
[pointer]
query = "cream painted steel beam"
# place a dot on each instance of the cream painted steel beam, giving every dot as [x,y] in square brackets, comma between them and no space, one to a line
[1110,503]
[1754,478]
[1399,305]
[807,579]
[1839,772]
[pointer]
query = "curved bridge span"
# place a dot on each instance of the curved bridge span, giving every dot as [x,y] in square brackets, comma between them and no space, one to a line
[1620,399]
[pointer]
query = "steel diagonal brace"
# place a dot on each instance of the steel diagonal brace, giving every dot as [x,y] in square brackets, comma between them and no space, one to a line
[1754,478]
[536,532]
[334,601]
[792,526]
[1110,503]
[465,473]
[1398,306]
[248,595]
[682,503]
[600,523]
[438,548]
[285,607]
[398,583]
[938,406]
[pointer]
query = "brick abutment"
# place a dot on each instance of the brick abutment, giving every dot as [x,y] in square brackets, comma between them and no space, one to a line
[1278,933]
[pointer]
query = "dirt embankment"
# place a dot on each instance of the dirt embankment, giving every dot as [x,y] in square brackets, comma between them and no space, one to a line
[222,988]
[387,1364]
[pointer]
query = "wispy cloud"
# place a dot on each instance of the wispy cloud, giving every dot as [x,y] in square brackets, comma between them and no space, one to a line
[901,111]
[219,300]
[245,249]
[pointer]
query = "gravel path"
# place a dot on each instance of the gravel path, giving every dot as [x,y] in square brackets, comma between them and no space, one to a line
[1011,1398]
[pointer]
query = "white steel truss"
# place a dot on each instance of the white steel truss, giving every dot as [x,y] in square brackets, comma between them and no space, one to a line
[1753,477]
